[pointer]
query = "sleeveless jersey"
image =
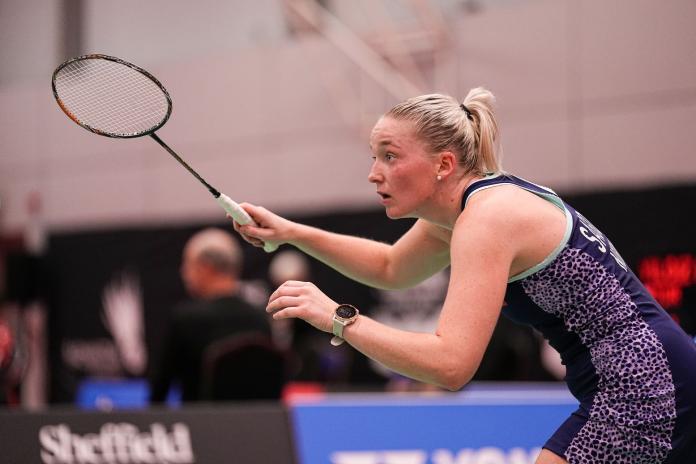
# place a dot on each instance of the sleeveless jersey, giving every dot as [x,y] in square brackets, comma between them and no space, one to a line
[632,368]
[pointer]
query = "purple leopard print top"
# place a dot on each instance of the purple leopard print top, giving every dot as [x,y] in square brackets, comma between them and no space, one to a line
[617,343]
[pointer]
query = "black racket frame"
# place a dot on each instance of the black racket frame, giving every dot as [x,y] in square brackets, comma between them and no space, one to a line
[150,132]
[98,56]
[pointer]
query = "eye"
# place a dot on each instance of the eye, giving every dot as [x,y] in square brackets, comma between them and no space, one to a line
[390,156]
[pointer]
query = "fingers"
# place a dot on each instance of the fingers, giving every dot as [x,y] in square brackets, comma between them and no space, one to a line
[244,234]
[251,231]
[266,229]
[287,313]
[264,225]
[288,300]
[254,241]
[254,232]
[283,302]
[249,208]
[297,283]
[256,212]
[286,307]
[302,300]
[290,288]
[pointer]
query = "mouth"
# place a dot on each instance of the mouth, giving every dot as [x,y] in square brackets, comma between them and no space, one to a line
[385,196]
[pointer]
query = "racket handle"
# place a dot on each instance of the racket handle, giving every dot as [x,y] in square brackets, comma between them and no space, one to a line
[241,217]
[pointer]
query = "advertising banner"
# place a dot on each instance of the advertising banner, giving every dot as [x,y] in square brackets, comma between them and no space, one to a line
[479,426]
[201,435]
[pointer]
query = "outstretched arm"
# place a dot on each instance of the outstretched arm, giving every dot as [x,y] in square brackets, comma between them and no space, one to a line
[417,255]
[481,257]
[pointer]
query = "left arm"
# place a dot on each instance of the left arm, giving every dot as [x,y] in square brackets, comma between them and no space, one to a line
[481,254]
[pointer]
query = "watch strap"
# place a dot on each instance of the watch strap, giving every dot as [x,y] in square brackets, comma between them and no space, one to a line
[336,341]
[338,327]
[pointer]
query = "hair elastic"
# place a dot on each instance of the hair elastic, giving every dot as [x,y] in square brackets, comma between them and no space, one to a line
[466,110]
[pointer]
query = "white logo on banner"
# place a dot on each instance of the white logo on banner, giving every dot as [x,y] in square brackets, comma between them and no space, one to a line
[488,455]
[120,443]
[122,314]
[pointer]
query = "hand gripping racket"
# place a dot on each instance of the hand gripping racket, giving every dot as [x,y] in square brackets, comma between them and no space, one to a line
[114,98]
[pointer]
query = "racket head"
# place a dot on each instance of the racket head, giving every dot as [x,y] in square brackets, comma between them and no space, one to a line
[111,97]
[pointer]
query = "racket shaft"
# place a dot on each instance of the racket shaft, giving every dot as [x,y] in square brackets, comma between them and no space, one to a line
[184,164]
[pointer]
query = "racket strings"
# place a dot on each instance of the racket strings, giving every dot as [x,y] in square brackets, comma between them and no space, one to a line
[111,97]
[114,98]
[115,94]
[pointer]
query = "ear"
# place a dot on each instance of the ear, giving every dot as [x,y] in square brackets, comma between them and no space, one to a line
[447,163]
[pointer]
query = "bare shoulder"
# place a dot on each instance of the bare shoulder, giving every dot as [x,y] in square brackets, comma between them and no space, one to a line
[514,221]
[508,212]
[505,206]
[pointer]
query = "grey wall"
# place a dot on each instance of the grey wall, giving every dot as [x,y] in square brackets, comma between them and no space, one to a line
[592,95]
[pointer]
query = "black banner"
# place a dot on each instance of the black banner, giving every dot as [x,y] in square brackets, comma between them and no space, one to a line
[248,434]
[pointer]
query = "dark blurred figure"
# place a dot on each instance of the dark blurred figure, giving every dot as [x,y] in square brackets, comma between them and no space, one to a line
[687,312]
[218,345]
[23,315]
[8,381]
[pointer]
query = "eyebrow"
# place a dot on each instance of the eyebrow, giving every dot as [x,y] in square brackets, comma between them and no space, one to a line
[385,143]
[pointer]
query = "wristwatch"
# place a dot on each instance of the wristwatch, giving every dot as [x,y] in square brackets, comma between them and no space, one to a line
[344,315]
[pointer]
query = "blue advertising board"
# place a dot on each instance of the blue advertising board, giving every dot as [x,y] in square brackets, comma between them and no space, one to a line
[481,425]
[114,394]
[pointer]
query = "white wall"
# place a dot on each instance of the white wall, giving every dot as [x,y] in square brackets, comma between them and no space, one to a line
[29,39]
[593,94]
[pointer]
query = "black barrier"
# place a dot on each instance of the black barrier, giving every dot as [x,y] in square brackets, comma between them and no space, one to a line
[230,433]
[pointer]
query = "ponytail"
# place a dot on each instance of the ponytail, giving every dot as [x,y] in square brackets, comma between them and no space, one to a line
[468,129]
[479,103]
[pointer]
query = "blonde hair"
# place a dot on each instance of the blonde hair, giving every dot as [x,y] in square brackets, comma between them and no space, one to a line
[468,129]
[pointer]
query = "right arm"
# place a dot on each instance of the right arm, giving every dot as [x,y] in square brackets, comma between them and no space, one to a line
[418,254]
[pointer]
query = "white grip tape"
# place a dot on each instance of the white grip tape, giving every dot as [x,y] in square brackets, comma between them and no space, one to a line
[238,214]
[241,217]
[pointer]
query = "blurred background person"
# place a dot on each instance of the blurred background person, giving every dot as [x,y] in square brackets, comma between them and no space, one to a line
[210,269]
[23,317]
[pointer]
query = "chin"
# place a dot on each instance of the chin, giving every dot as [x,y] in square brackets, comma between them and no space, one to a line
[393,213]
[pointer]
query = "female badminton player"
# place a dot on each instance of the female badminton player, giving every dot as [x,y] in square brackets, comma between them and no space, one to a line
[514,245]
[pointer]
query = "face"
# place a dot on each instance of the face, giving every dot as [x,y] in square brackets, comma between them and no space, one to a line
[403,171]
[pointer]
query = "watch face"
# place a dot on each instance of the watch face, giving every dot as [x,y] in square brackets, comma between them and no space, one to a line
[345,311]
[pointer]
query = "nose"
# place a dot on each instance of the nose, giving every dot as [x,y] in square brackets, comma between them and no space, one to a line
[375,176]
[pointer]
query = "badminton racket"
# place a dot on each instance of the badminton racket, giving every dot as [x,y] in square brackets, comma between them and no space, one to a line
[111,97]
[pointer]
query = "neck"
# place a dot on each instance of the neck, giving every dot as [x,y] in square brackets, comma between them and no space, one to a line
[446,203]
